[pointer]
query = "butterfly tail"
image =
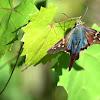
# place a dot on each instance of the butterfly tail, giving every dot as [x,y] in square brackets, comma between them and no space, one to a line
[73,57]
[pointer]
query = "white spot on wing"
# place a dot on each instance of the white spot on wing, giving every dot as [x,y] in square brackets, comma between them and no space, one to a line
[62,45]
[63,40]
[58,45]
[94,40]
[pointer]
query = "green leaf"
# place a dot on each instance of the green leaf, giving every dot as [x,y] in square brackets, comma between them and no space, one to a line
[13,15]
[42,33]
[96,27]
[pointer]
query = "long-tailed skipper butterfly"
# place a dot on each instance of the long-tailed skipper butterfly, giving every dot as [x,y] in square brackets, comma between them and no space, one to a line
[76,40]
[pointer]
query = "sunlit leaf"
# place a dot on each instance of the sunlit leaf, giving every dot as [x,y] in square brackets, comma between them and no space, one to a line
[96,27]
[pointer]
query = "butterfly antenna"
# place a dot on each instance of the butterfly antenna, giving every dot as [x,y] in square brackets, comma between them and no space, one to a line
[65,15]
[85,13]
[12,69]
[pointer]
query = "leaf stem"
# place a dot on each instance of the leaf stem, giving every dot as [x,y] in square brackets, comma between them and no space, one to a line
[12,69]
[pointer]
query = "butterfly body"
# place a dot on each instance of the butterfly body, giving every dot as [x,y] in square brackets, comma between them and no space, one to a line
[76,40]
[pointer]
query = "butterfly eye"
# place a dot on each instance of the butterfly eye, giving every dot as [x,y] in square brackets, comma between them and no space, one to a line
[78,23]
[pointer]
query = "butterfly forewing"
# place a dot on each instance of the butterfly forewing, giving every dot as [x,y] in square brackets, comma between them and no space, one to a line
[57,47]
[93,36]
[63,45]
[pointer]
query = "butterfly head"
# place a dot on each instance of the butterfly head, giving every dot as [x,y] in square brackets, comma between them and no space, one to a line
[78,22]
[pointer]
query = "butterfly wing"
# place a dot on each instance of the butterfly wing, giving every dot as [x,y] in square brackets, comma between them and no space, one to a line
[57,47]
[62,45]
[92,36]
